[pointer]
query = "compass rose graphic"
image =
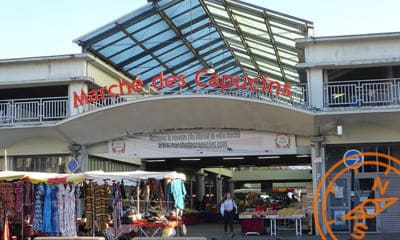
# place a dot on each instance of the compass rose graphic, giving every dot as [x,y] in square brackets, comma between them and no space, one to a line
[359,212]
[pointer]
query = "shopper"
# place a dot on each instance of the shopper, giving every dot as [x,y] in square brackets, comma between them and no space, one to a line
[228,209]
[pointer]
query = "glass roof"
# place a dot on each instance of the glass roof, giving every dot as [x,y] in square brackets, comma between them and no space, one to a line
[182,37]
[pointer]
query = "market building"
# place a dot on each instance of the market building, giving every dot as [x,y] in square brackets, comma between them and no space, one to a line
[227,92]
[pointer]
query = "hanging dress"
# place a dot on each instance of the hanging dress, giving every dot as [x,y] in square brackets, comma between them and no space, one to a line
[61,204]
[47,224]
[37,223]
[54,211]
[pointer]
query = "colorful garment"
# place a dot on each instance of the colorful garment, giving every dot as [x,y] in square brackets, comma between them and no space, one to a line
[88,189]
[61,204]
[54,211]
[69,211]
[179,191]
[37,223]
[19,198]
[47,224]
[103,197]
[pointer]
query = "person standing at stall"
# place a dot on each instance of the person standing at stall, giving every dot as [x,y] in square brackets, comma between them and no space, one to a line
[228,209]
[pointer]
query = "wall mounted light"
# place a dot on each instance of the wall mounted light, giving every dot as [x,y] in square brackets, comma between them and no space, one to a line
[339,130]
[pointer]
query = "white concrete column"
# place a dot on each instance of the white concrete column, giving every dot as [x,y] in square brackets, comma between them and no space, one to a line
[218,184]
[318,170]
[76,86]
[200,184]
[315,87]
[83,158]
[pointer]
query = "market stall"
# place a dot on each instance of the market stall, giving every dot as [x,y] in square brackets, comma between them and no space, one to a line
[29,203]
[156,201]
[50,204]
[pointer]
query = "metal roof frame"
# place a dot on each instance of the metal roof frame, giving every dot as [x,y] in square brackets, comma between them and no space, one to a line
[194,33]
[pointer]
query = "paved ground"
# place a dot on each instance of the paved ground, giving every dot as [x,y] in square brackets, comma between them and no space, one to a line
[215,232]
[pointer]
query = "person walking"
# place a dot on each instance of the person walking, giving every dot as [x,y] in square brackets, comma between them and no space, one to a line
[228,209]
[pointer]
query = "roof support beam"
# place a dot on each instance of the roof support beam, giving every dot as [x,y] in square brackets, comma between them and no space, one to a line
[111,31]
[272,37]
[145,49]
[241,35]
[175,29]
[212,19]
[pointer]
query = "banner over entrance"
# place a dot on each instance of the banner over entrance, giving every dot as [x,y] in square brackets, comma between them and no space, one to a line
[205,143]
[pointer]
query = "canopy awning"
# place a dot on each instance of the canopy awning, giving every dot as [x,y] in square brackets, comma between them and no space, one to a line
[132,176]
[40,177]
[182,37]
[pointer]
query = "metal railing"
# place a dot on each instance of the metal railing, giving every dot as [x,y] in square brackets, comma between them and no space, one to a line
[362,93]
[32,110]
[296,99]
[38,110]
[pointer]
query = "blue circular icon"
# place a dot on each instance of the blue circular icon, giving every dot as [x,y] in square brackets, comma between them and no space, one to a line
[358,157]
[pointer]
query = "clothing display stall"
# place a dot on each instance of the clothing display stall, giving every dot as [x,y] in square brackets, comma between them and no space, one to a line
[90,203]
[30,203]
[153,206]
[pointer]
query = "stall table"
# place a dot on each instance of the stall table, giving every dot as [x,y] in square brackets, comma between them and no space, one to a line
[274,218]
[251,225]
[156,226]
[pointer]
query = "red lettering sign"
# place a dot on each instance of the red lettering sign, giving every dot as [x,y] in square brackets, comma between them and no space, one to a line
[202,79]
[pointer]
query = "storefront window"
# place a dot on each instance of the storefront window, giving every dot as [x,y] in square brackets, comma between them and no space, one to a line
[39,163]
[107,165]
[335,154]
[369,168]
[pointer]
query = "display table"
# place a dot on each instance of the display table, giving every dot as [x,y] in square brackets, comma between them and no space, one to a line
[252,226]
[155,226]
[274,218]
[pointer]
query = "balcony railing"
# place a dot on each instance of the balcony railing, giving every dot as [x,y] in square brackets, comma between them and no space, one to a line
[296,99]
[32,110]
[39,110]
[362,93]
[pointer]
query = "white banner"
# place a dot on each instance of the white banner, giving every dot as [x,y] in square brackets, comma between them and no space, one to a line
[212,143]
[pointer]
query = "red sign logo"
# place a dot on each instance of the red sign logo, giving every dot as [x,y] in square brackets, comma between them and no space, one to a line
[202,79]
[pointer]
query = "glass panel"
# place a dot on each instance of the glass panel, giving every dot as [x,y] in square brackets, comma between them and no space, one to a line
[144,23]
[179,59]
[385,150]
[108,40]
[181,7]
[184,18]
[369,168]
[151,30]
[138,62]
[167,48]
[395,152]
[174,53]
[116,47]
[126,54]
[195,25]
[365,192]
[161,38]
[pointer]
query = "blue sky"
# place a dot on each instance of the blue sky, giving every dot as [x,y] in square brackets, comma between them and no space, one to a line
[47,27]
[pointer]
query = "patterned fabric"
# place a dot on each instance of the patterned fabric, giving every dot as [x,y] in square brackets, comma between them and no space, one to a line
[7,194]
[69,211]
[103,196]
[19,198]
[47,224]
[88,190]
[117,204]
[61,204]
[29,199]
[37,224]
[109,234]
[54,211]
